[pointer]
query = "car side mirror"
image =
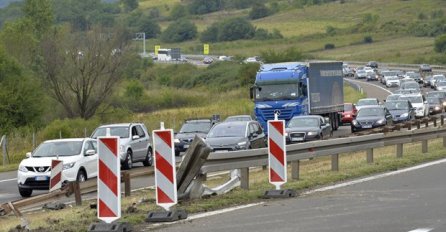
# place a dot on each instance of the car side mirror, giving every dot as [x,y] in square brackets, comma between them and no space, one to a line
[90,152]
[135,137]
[28,155]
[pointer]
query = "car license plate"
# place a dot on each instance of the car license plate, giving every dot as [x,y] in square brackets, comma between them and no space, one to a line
[297,139]
[221,151]
[41,178]
[367,126]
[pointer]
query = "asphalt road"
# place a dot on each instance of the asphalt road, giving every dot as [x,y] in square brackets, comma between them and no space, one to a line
[412,201]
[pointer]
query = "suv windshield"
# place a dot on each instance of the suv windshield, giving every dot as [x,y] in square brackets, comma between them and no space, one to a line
[196,127]
[122,132]
[348,107]
[433,100]
[227,130]
[61,148]
[366,102]
[413,99]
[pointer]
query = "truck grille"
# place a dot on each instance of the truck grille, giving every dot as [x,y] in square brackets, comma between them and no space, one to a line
[41,169]
[366,123]
[297,135]
[285,114]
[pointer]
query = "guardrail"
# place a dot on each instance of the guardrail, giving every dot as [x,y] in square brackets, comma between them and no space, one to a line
[197,155]
[255,158]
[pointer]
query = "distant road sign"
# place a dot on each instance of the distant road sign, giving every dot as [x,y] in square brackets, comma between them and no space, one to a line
[206,49]
[109,179]
[157,47]
[175,53]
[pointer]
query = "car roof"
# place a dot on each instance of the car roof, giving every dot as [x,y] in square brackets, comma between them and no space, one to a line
[117,125]
[198,120]
[307,116]
[234,123]
[372,106]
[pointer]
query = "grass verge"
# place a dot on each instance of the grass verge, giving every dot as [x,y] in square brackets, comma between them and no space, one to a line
[313,173]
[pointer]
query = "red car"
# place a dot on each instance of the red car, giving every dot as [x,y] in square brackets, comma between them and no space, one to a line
[349,113]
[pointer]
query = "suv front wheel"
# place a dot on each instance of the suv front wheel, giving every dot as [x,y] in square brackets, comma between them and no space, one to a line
[25,192]
[128,163]
[149,158]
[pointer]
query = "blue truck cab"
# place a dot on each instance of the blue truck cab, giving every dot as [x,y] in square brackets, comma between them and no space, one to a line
[295,88]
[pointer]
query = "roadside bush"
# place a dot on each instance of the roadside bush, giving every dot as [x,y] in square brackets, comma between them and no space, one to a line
[263,34]
[178,11]
[247,73]
[272,56]
[440,43]
[149,26]
[235,29]
[368,39]
[329,46]
[259,11]
[199,7]
[69,128]
[330,30]
[210,34]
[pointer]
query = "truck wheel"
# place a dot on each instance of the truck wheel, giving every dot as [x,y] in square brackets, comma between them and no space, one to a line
[25,192]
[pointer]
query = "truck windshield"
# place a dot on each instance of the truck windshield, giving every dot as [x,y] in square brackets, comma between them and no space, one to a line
[277,92]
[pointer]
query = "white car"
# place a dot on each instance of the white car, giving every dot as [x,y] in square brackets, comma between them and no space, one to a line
[418,103]
[392,81]
[79,158]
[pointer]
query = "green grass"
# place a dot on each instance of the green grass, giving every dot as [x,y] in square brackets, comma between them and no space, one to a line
[313,173]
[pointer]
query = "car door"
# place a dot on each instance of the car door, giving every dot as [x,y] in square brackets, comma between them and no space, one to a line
[135,143]
[260,140]
[90,162]
[143,141]
[389,118]
[252,135]
[324,127]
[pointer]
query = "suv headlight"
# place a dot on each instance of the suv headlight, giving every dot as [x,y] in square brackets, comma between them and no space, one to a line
[241,145]
[68,165]
[176,141]
[355,122]
[23,168]
[405,115]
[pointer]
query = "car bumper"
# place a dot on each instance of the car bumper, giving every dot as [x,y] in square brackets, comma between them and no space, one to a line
[40,181]
[346,119]
[419,113]
[181,147]
[301,137]
[435,111]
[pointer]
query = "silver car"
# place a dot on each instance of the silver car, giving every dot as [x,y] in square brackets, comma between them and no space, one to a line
[134,142]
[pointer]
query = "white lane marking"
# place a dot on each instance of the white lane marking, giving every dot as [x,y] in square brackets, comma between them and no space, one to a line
[349,183]
[422,230]
[7,180]
[208,214]
[379,87]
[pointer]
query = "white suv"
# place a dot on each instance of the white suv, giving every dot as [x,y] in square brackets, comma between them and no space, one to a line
[79,158]
[134,142]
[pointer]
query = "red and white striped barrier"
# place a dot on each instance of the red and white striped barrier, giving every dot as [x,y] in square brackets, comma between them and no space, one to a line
[56,175]
[109,179]
[277,153]
[165,173]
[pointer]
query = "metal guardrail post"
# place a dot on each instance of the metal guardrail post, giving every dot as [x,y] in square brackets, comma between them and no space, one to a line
[418,124]
[444,141]
[442,120]
[127,188]
[426,122]
[424,146]
[244,178]
[335,162]
[295,166]
[409,126]
[435,121]
[370,155]
[399,150]
[77,193]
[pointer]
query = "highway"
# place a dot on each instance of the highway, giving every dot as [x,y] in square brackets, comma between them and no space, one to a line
[8,181]
[412,201]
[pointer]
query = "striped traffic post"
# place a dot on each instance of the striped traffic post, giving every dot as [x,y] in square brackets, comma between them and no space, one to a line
[165,177]
[109,179]
[165,173]
[56,175]
[277,160]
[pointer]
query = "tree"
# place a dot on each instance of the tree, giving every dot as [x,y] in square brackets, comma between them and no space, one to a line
[19,41]
[210,34]
[440,43]
[40,14]
[259,11]
[177,12]
[80,70]
[204,6]
[150,27]
[20,100]
[179,31]
[130,5]
[235,29]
